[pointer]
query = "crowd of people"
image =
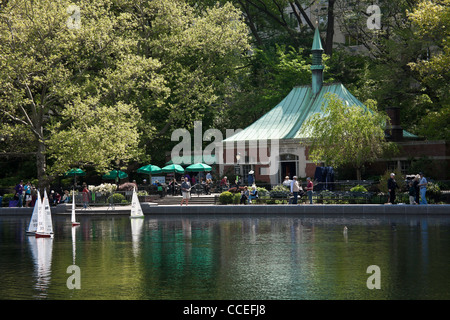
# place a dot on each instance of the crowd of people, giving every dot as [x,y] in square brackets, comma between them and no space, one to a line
[25,194]
[417,188]
[296,189]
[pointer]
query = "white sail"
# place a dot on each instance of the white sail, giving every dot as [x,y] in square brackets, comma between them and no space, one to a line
[136,209]
[45,226]
[48,215]
[41,219]
[32,227]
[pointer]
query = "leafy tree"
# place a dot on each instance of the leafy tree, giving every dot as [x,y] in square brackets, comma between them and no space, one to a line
[109,86]
[201,51]
[271,75]
[341,135]
[54,71]
[431,21]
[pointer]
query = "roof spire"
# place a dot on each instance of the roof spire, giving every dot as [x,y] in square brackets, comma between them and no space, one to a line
[317,67]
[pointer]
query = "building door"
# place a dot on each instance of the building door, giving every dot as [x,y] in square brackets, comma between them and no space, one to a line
[288,169]
[288,166]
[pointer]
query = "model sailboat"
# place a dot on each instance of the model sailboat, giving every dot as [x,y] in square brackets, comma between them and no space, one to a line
[44,225]
[74,222]
[32,227]
[136,209]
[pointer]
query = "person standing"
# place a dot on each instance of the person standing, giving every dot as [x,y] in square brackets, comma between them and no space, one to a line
[412,193]
[186,190]
[251,178]
[86,196]
[423,189]
[416,187]
[392,185]
[295,189]
[309,189]
[27,189]
[19,193]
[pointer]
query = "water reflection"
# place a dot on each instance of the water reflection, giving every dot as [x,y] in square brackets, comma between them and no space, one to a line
[240,257]
[41,250]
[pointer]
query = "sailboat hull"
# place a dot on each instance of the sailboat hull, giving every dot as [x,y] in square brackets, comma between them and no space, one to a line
[74,224]
[43,235]
[137,217]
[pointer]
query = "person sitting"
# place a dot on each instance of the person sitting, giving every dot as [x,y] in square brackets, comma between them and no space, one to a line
[253,194]
[66,197]
[244,196]
[224,183]
[55,198]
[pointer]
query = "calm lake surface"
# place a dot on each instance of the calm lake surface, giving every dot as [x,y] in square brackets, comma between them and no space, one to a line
[227,257]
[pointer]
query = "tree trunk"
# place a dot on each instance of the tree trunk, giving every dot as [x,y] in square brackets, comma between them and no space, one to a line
[330,28]
[358,174]
[41,165]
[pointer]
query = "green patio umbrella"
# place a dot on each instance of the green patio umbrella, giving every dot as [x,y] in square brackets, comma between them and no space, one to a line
[74,173]
[114,174]
[173,168]
[149,169]
[198,167]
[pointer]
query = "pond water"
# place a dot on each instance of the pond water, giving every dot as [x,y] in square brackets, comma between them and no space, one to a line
[227,257]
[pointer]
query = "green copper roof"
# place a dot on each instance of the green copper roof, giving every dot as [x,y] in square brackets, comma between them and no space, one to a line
[285,119]
[317,43]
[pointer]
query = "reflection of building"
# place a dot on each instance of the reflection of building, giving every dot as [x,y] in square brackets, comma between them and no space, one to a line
[279,128]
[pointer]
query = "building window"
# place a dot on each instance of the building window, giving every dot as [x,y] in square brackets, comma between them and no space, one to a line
[288,157]
[405,166]
[392,166]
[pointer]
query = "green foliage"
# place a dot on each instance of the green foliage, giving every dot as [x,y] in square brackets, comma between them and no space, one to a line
[226,197]
[6,198]
[99,93]
[399,178]
[270,75]
[116,198]
[358,188]
[431,20]
[341,135]
[236,198]
[262,192]
[279,191]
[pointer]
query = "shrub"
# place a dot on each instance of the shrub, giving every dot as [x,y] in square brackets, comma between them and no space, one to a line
[279,191]
[6,198]
[434,192]
[399,178]
[226,197]
[116,198]
[262,192]
[358,188]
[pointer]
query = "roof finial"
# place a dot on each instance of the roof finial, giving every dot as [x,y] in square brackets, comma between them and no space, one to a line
[317,67]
